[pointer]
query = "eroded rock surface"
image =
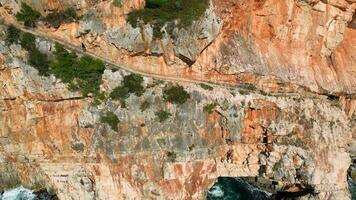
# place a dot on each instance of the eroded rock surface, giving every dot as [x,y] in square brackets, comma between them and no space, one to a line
[54,136]
[294,137]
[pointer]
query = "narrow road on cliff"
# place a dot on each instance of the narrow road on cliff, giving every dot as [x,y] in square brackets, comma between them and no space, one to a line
[120,66]
[79,50]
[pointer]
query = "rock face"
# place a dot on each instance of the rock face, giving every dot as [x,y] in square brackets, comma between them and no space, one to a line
[53,136]
[293,137]
[309,43]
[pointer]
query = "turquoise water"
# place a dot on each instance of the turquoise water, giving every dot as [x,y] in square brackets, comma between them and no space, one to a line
[227,188]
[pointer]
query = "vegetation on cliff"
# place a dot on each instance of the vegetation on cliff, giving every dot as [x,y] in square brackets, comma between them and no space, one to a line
[132,84]
[82,73]
[145,105]
[36,58]
[13,35]
[163,115]
[158,13]
[209,108]
[175,94]
[117,3]
[55,19]
[28,15]
[111,119]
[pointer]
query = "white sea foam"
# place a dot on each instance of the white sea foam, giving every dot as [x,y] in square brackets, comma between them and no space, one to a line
[19,193]
[216,191]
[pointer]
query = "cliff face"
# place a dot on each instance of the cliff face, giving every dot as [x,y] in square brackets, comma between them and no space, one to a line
[309,43]
[292,136]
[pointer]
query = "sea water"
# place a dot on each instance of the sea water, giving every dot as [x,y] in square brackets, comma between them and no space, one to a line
[228,188]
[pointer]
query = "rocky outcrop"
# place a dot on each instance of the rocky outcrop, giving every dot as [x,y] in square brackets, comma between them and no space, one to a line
[292,125]
[296,41]
[53,136]
[308,43]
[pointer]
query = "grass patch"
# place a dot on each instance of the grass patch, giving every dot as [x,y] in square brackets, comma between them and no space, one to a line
[206,87]
[161,12]
[111,119]
[210,108]
[28,15]
[163,115]
[55,19]
[175,94]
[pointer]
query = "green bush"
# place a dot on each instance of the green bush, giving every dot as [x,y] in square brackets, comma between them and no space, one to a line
[206,87]
[55,19]
[62,65]
[145,105]
[88,73]
[120,93]
[12,34]
[248,86]
[134,84]
[161,12]
[40,61]
[162,115]
[84,73]
[28,15]
[36,58]
[175,94]
[117,3]
[111,119]
[172,156]
[28,41]
[210,108]
[131,84]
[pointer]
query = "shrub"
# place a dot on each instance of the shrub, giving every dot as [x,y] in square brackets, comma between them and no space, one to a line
[161,12]
[28,15]
[134,84]
[40,61]
[120,93]
[163,115]
[206,87]
[131,84]
[210,108]
[84,73]
[12,34]
[171,156]
[145,105]
[117,3]
[28,42]
[175,94]
[36,58]
[248,86]
[111,119]
[62,66]
[88,73]
[55,19]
